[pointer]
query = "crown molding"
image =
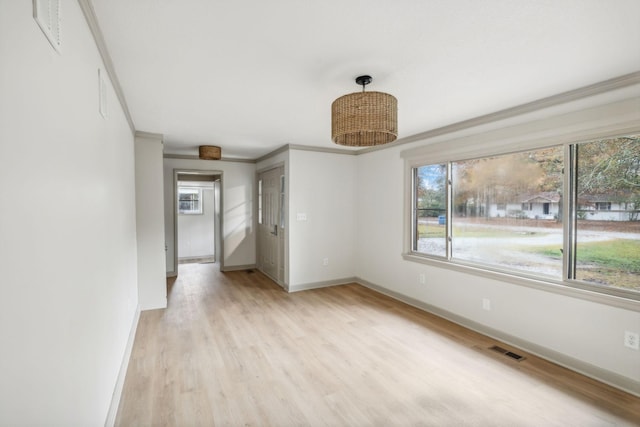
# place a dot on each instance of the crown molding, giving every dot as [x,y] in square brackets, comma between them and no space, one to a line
[92,22]
[323,149]
[289,147]
[539,104]
[275,152]
[150,135]
[192,157]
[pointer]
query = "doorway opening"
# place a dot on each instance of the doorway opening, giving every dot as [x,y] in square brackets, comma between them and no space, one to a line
[197,218]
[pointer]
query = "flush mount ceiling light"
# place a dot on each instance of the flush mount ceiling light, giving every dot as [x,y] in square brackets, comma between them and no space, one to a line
[363,119]
[210,152]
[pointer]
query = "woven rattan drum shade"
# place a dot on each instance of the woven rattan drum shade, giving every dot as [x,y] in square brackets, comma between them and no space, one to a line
[210,152]
[364,119]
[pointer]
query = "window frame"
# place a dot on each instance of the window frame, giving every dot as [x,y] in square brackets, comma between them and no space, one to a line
[567,153]
[415,208]
[517,135]
[199,210]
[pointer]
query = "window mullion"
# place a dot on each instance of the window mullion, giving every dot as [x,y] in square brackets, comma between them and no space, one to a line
[570,206]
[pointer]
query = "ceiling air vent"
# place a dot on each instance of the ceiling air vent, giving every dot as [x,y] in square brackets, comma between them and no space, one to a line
[47,15]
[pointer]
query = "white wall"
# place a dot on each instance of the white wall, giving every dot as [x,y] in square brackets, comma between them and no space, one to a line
[584,334]
[322,186]
[196,237]
[152,282]
[239,229]
[67,226]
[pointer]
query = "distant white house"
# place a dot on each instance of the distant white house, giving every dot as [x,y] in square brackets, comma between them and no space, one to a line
[539,206]
[600,207]
[546,205]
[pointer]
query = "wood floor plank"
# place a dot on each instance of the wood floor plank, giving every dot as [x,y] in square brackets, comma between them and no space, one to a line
[234,349]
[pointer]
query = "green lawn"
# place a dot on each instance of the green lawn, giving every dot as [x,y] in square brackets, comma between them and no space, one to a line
[619,254]
[614,262]
[431,231]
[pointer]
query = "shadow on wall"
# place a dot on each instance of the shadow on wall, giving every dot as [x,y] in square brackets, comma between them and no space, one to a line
[239,232]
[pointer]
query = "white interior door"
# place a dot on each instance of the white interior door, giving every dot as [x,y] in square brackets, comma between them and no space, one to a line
[271,223]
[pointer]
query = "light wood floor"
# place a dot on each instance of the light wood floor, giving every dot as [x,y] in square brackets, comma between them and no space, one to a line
[234,349]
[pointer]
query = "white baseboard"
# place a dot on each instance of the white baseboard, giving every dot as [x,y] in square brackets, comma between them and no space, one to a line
[322,284]
[238,267]
[196,259]
[117,392]
[611,378]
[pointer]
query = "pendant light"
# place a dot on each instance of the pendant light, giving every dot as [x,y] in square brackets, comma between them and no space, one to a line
[209,152]
[363,119]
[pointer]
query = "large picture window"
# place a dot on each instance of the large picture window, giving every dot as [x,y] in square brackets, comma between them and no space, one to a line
[519,213]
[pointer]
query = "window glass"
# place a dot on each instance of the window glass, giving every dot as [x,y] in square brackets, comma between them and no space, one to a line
[506,211]
[608,206]
[260,201]
[189,200]
[282,201]
[430,206]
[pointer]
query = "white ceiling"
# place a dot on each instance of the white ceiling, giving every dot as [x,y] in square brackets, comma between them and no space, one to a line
[253,75]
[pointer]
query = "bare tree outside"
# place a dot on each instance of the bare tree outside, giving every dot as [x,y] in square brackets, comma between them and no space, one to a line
[608,180]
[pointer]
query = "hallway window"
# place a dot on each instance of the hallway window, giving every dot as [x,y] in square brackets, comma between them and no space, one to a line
[189,201]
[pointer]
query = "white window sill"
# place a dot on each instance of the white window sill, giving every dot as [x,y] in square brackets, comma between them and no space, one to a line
[613,297]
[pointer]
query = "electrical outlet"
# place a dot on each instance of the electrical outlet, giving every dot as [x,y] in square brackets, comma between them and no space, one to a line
[422,279]
[325,261]
[632,340]
[486,304]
